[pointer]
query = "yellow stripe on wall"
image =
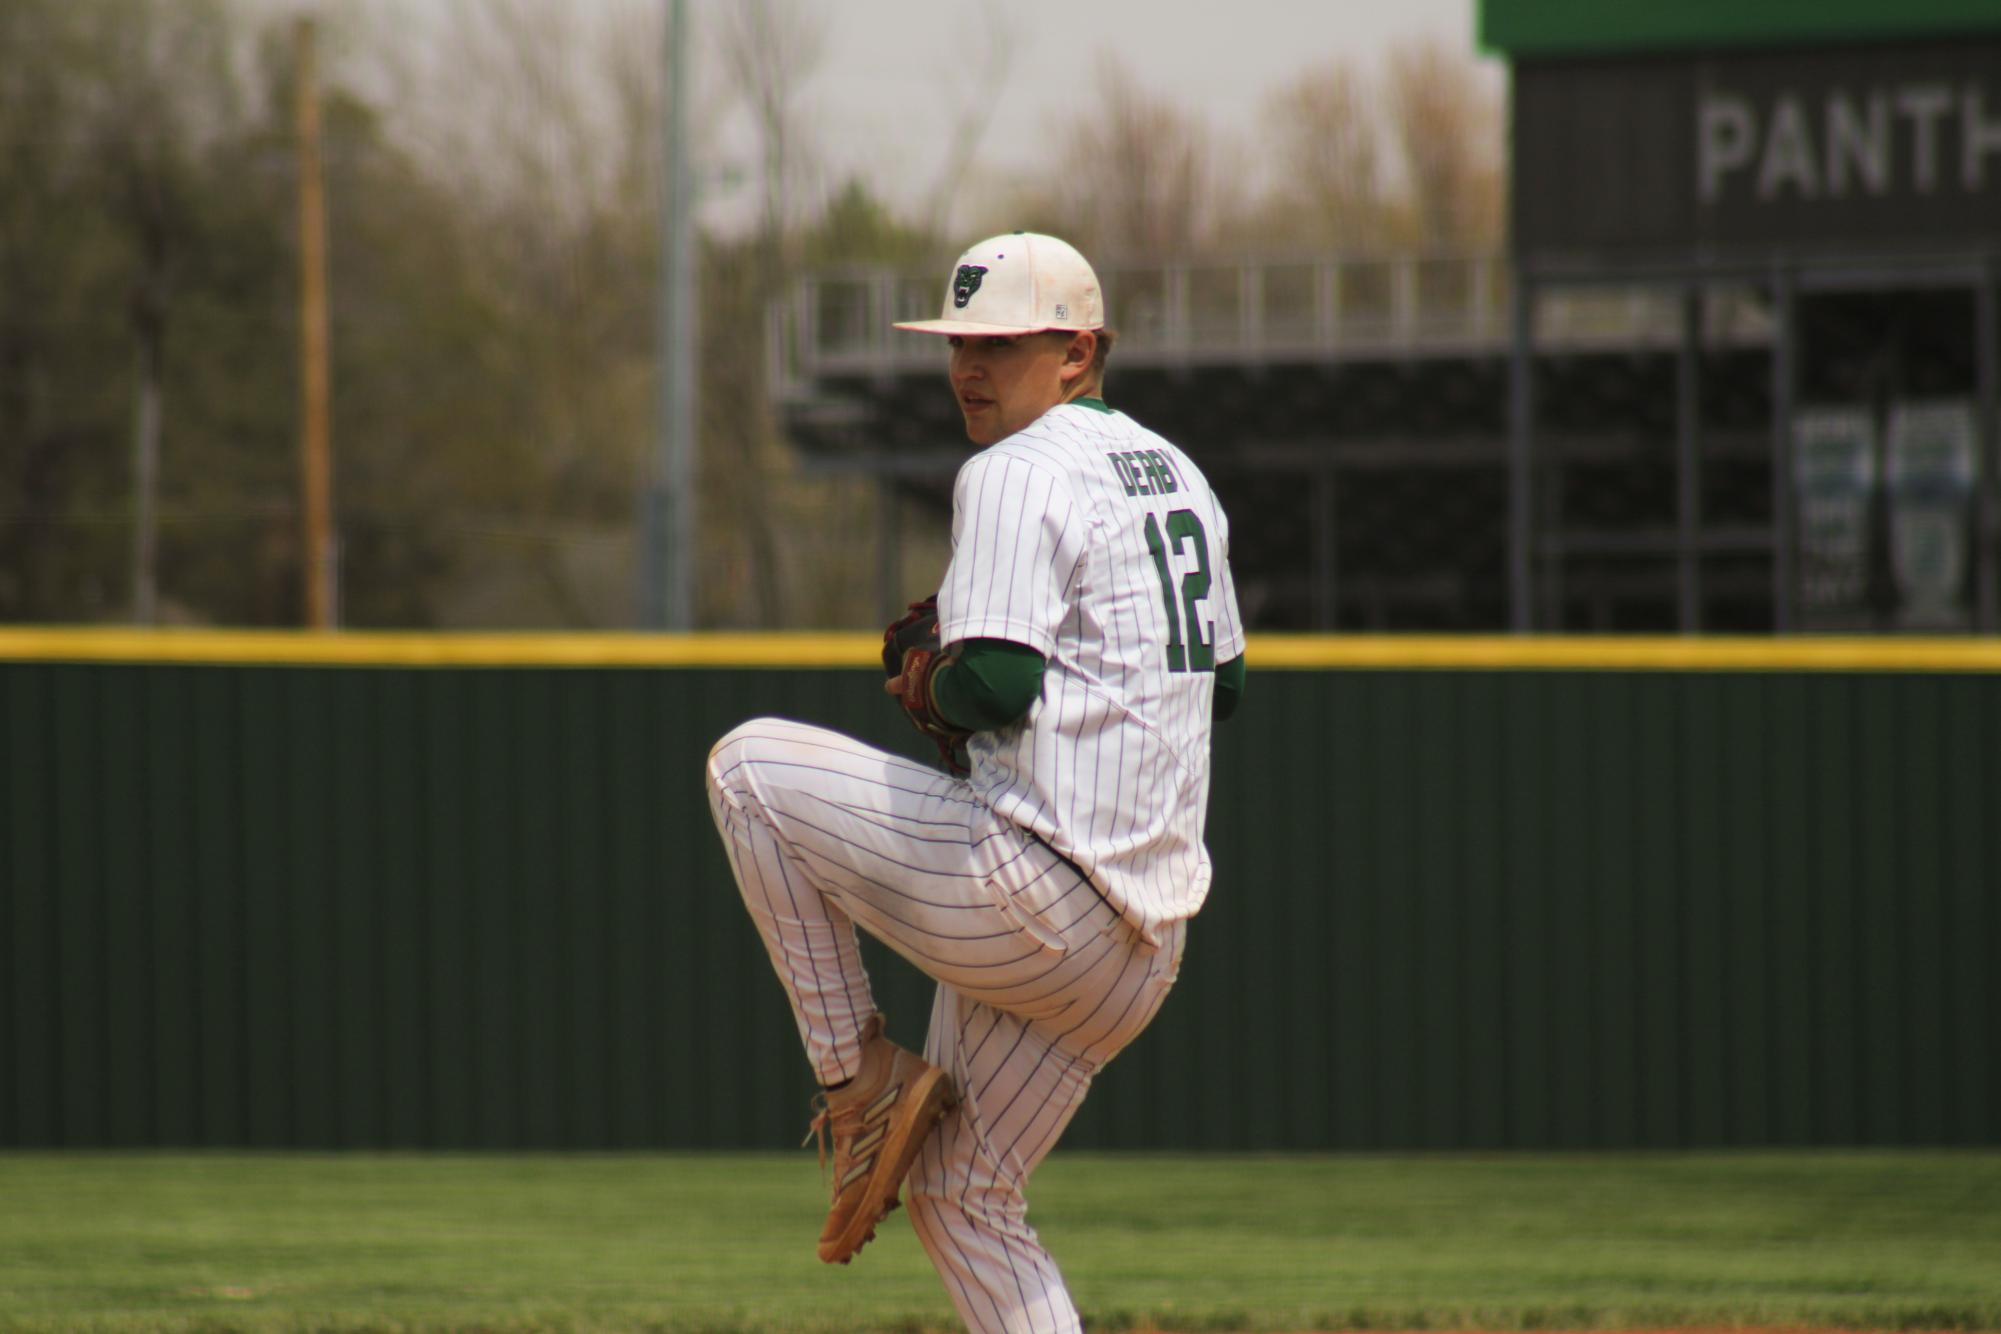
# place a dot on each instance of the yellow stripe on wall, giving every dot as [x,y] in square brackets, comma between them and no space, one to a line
[360,648]
[861,649]
[1637,653]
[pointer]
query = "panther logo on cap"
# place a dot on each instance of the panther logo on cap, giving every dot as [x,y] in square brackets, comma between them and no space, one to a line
[967,283]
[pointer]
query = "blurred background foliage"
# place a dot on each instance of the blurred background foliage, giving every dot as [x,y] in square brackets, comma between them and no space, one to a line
[493,191]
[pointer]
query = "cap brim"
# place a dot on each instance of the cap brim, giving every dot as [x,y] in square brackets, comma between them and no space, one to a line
[969,327]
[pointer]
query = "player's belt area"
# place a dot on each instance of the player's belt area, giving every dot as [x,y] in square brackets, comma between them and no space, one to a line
[1118,918]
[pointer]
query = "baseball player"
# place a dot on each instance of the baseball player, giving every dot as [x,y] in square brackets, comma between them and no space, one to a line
[1087,635]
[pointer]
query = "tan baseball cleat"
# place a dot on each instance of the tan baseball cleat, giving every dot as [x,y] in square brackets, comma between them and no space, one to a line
[878,1121]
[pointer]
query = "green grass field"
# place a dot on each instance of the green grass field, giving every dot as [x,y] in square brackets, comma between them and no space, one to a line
[725,1243]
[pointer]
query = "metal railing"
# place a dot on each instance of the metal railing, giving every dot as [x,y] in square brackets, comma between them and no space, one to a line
[1319,308]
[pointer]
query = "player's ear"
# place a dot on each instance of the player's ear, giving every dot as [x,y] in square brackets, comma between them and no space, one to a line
[1077,354]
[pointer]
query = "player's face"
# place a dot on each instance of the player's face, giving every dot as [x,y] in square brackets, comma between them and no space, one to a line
[1004,384]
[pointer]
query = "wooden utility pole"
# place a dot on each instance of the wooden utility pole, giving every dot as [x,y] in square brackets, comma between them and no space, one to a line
[316,471]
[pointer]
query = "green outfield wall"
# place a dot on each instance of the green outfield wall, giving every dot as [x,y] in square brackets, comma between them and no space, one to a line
[381,891]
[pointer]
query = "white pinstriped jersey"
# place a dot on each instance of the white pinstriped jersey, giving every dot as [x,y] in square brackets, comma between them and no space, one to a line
[1097,543]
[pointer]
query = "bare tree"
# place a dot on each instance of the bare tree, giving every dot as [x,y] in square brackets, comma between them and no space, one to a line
[771,49]
[979,82]
[1447,125]
[536,124]
[1327,137]
[1137,176]
[173,92]
[511,99]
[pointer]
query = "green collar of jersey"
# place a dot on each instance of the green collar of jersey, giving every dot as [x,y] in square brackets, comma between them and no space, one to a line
[1094,404]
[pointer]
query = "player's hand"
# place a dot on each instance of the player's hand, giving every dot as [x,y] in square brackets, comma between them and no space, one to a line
[911,654]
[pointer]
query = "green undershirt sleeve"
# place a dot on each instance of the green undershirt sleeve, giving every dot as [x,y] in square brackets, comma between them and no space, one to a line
[1229,687]
[995,680]
[991,685]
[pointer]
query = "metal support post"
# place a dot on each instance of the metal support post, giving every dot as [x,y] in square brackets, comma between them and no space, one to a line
[1251,308]
[145,489]
[1986,484]
[1180,319]
[1688,463]
[1327,303]
[1480,299]
[1404,314]
[1325,532]
[1784,374]
[882,312]
[1521,460]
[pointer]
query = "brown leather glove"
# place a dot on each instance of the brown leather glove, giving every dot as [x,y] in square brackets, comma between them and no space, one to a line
[911,657]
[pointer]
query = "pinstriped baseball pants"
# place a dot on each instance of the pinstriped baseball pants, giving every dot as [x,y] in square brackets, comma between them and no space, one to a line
[1039,982]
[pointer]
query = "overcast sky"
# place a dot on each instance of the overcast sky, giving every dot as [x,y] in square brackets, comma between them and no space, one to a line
[896,73]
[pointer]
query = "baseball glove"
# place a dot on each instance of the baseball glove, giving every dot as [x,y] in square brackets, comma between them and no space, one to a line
[910,649]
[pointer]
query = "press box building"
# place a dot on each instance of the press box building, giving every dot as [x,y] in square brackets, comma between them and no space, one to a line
[1836,168]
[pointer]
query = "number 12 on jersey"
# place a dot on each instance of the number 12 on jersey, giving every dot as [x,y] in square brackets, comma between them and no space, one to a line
[1199,654]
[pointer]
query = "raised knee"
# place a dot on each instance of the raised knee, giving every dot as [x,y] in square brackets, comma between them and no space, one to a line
[728,755]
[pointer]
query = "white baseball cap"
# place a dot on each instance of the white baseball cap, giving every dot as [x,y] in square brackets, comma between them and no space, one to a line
[1023,282]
